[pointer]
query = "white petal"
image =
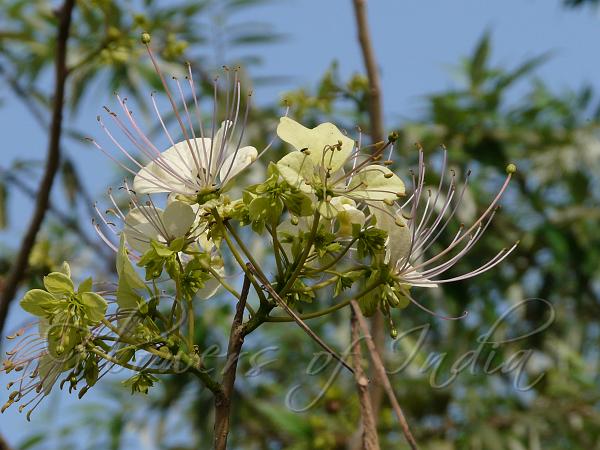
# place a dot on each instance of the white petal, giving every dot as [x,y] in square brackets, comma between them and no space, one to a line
[178,218]
[399,236]
[347,216]
[316,140]
[176,169]
[376,182]
[296,168]
[236,162]
[220,150]
[139,230]
[211,286]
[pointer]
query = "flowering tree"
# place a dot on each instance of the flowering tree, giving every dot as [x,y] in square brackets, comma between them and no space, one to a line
[340,223]
[168,318]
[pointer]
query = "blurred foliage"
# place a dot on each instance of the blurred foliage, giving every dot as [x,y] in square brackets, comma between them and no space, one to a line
[578,3]
[494,117]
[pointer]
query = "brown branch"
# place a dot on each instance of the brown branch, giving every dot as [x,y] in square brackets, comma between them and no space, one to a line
[376,127]
[223,398]
[375,102]
[3,444]
[370,439]
[382,375]
[52,164]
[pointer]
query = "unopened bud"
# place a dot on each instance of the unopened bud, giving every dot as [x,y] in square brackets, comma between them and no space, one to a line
[146,38]
[511,168]
[388,175]
[393,136]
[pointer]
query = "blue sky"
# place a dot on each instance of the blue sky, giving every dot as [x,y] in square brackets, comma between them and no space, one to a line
[417,43]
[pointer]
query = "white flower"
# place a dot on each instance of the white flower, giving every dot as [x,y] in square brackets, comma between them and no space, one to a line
[146,223]
[416,224]
[201,160]
[347,215]
[194,166]
[318,167]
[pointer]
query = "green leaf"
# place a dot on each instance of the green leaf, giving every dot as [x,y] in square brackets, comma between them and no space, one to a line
[177,245]
[70,181]
[38,302]
[58,283]
[140,382]
[161,250]
[477,66]
[91,371]
[3,205]
[298,204]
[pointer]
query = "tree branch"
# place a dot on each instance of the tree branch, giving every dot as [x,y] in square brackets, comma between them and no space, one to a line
[52,164]
[3,444]
[377,133]
[223,398]
[370,439]
[382,375]
[375,102]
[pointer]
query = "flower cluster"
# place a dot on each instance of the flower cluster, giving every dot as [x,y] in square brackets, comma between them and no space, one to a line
[337,219]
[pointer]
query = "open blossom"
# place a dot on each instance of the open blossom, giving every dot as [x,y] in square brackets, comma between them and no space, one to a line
[145,222]
[318,167]
[196,166]
[201,159]
[415,224]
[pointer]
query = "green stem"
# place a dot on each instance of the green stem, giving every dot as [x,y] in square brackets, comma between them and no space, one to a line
[324,312]
[130,366]
[338,257]
[299,264]
[276,248]
[237,255]
[322,284]
[242,246]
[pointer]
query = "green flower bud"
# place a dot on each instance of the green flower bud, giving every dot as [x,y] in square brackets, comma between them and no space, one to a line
[146,38]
